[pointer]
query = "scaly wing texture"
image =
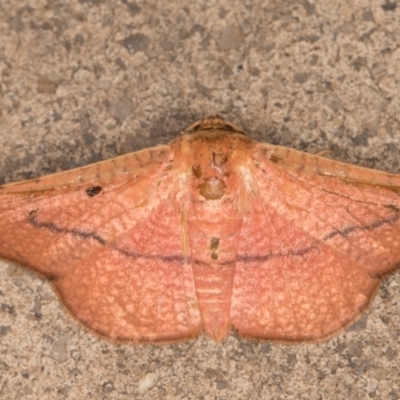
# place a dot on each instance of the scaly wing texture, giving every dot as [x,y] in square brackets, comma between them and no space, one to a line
[109,239]
[314,247]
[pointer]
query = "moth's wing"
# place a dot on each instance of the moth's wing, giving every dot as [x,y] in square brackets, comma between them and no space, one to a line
[109,239]
[319,238]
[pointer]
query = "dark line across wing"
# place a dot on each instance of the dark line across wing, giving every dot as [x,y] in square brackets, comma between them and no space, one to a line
[369,227]
[91,235]
[302,251]
[243,258]
[266,257]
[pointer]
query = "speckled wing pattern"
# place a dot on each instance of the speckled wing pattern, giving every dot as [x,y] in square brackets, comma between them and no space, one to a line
[100,246]
[212,231]
[319,238]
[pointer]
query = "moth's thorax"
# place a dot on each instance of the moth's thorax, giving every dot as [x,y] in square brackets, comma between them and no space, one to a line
[211,162]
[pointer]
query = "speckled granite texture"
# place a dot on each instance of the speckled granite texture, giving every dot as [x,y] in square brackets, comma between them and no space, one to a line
[87,80]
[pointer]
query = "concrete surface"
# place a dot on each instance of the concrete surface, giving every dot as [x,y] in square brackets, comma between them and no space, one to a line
[87,80]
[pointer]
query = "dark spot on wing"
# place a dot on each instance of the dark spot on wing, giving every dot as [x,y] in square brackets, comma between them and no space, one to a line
[214,243]
[273,158]
[92,191]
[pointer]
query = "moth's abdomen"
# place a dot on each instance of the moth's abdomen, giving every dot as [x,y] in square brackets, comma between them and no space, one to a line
[213,251]
[214,292]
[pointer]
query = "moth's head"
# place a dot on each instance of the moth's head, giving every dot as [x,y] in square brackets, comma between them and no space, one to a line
[209,156]
[213,123]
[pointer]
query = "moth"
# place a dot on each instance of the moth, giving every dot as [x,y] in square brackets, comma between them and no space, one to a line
[212,231]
